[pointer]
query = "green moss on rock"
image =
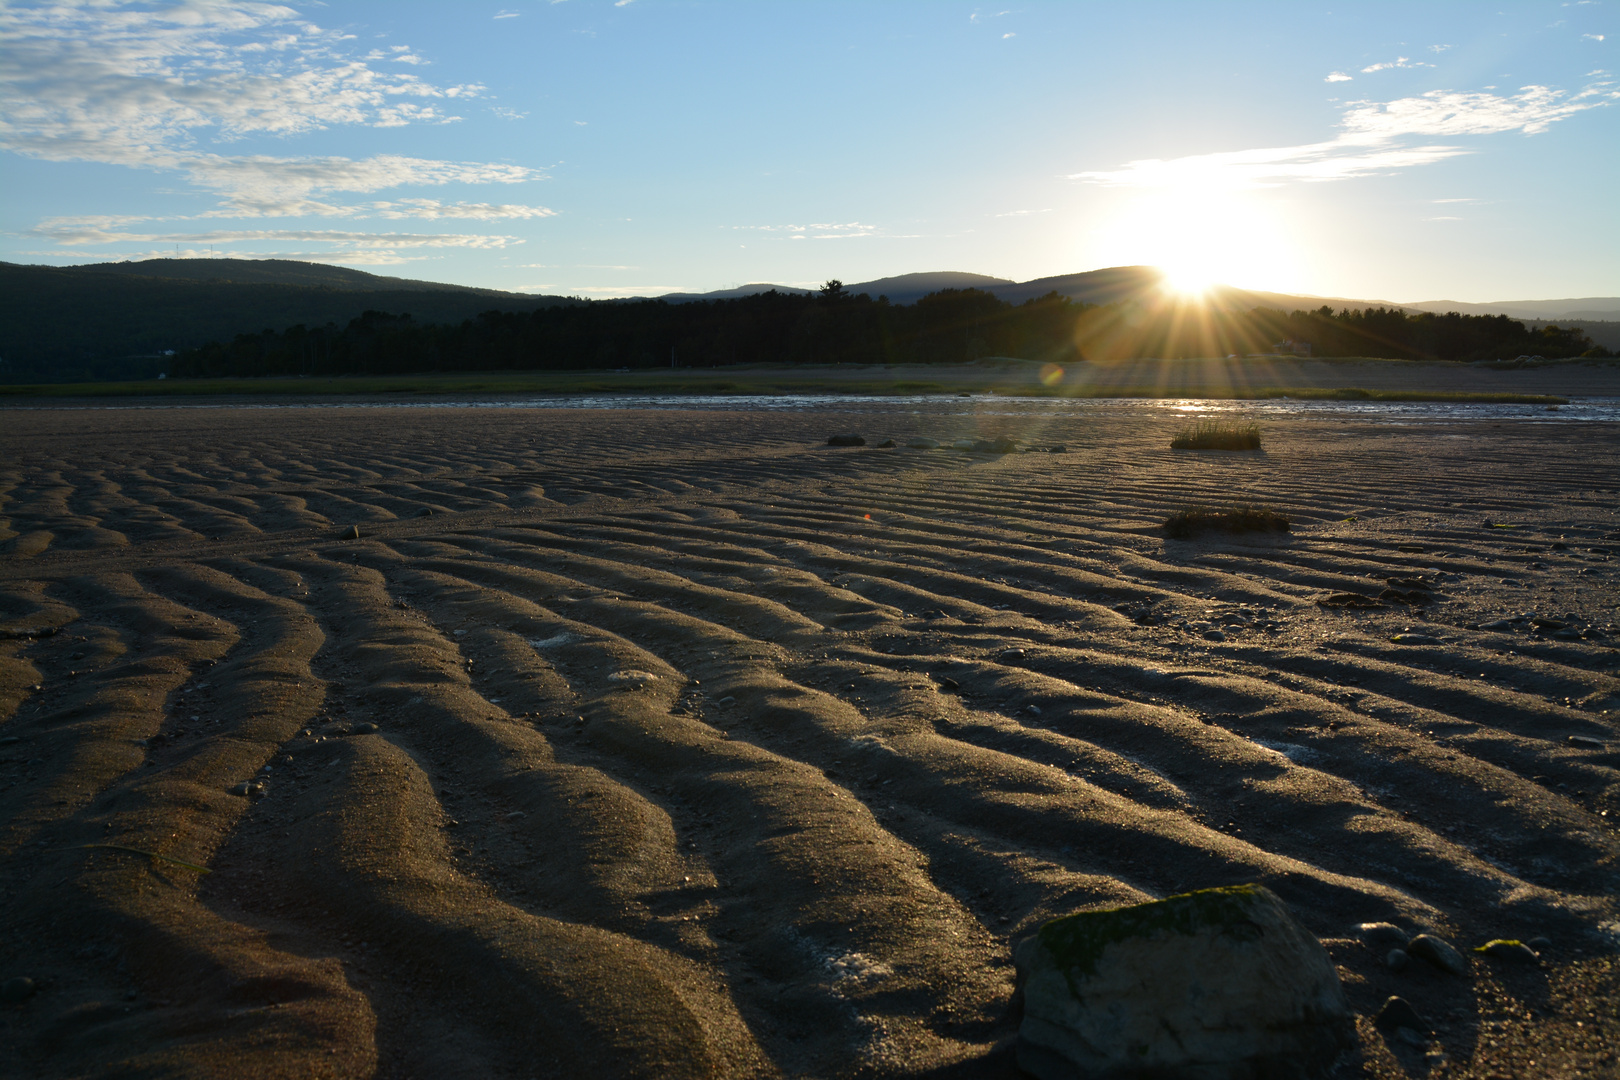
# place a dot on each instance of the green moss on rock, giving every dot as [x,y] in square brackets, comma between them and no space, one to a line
[1076,942]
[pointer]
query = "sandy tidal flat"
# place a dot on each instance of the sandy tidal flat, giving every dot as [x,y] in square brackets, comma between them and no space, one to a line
[680,744]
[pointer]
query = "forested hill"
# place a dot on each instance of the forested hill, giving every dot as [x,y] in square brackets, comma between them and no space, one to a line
[112,321]
[951,326]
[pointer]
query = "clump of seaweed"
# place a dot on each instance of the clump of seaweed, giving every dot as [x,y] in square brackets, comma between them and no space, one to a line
[1218,435]
[1187,523]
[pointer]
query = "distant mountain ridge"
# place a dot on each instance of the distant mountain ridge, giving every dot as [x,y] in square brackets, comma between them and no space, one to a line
[276,272]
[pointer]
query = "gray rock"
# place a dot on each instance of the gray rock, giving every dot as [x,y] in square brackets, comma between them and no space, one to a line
[1216,983]
[1439,952]
[1586,741]
[1214,635]
[1415,639]
[1398,1013]
[845,440]
[1498,626]
[1508,949]
[921,443]
[351,533]
[1397,960]
[1540,944]
[1381,935]
[886,444]
[16,990]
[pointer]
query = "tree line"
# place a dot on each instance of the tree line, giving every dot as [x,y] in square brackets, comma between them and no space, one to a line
[835,327]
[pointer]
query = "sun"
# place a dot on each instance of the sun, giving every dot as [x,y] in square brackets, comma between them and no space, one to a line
[1200,239]
[1189,279]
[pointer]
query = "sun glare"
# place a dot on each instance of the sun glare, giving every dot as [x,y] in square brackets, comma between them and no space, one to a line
[1200,239]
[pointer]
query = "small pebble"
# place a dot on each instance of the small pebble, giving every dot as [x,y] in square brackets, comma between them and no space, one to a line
[728,700]
[15,991]
[1376,935]
[1398,1013]
[1540,944]
[1439,952]
[365,729]
[1396,960]
[1214,635]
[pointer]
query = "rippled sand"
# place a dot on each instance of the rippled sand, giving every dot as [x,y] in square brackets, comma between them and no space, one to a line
[679,744]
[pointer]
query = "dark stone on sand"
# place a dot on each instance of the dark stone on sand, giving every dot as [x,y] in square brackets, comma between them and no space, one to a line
[1397,960]
[1439,952]
[845,440]
[1398,1013]
[1003,445]
[1540,944]
[365,729]
[426,511]
[947,683]
[351,533]
[886,444]
[1498,626]
[1586,742]
[1349,600]
[1214,635]
[921,443]
[1509,949]
[15,991]
[1218,983]
[1381,935]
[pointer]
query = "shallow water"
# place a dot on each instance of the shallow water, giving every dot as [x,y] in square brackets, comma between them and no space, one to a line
[1588,409]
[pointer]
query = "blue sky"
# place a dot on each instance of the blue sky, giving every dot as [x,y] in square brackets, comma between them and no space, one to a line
[598,148]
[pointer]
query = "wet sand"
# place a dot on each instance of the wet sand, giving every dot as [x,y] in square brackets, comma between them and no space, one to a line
[632,743]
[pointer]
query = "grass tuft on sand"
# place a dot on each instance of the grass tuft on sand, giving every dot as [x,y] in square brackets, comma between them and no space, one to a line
[1218,435]
[1188,523]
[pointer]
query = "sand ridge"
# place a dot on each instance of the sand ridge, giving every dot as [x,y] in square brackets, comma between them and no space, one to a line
[632,743]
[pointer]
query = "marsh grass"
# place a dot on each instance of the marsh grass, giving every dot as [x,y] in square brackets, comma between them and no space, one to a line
[1188,523]
[1218,435]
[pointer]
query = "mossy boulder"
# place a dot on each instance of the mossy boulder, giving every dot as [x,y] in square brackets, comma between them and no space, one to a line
[1218,983]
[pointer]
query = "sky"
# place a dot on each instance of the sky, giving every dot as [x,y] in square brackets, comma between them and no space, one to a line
[599,148]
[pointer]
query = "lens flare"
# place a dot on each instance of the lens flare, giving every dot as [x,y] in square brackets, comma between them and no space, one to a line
[1051,374]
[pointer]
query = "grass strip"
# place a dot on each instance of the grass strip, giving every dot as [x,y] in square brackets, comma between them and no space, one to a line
[1218,435]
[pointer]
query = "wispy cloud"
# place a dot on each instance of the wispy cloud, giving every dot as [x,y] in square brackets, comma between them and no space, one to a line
[506,113]
[852,230]
[1398,62]
[107,81]
[1593,37]
[1337,76]
[1374,139]
[507,14]
[433,210]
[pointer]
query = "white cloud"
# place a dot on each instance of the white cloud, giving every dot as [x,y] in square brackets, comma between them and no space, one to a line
[105,81]
[1440,48]
[506,14]
[506,113]
[1337,76]
[1593,37]
[1372,140]
[1398,62]
[433,210]
[1004,37]
[84,234]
